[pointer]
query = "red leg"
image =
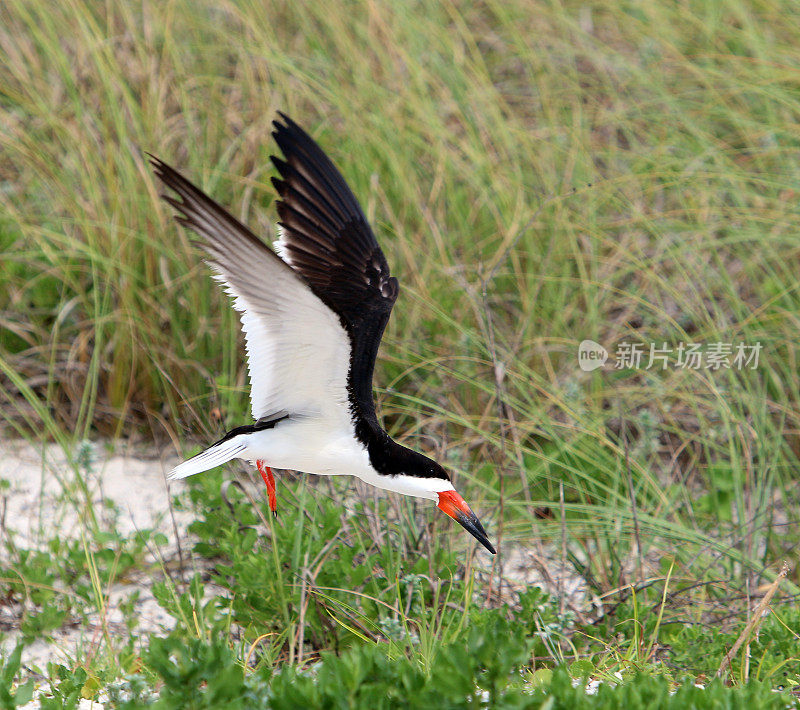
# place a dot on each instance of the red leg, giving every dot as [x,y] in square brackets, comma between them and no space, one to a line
[266,474]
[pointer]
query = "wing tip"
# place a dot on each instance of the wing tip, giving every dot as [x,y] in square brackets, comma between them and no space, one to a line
[287,124]
[160,168]
[290,138]
[170,177]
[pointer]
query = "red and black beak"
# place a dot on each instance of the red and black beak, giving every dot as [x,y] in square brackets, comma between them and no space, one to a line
[456,507]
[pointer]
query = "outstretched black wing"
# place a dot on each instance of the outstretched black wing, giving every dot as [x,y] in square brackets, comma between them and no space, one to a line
[326,238]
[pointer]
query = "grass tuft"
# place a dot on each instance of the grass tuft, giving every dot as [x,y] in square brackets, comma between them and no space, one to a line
[537,176]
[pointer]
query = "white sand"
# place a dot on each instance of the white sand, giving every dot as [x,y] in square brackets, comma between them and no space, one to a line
[43,499]
[128,492]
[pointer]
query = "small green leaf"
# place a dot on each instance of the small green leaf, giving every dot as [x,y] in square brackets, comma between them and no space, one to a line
[24,693]
[91,687]
[542,678]
[581,669]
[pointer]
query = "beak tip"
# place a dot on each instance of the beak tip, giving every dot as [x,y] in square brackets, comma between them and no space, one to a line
[488,545]
[473,526]
[455,506]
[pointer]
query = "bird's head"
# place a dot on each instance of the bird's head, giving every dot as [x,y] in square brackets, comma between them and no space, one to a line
[412,473]
[456,507]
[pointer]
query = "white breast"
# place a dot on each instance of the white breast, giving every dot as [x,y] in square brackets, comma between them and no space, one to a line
[317,445]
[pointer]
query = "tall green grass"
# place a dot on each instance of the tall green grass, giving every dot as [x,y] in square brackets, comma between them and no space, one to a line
[537,174]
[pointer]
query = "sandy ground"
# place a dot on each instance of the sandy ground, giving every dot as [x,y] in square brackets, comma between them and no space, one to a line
[128,490]
[41,499]
[42,481]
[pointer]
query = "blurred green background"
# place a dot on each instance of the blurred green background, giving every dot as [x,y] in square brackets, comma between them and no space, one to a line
[537,173]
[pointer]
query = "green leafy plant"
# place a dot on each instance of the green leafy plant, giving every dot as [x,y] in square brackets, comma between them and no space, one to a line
[621,172]
[11,697]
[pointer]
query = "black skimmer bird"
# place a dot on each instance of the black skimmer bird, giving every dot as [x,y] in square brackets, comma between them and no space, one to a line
[313,315]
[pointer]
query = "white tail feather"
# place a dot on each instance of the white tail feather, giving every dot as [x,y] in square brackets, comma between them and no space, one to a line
[210,458]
